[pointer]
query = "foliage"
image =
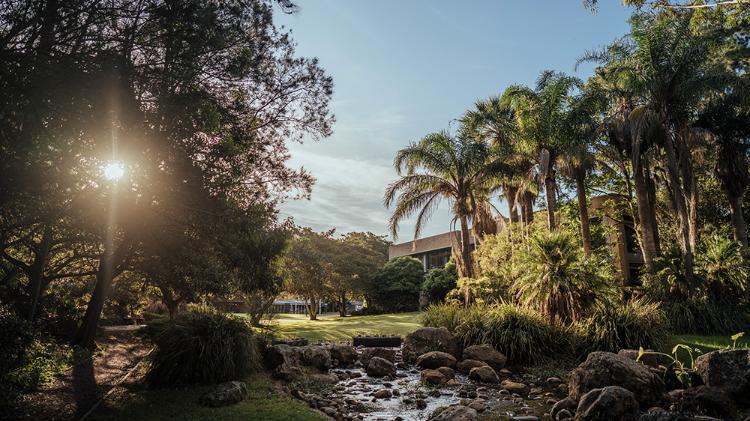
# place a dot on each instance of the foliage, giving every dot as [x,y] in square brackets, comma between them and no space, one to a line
[439,281]
[681,369]
[334,328]
[704,317]
[722,268]
[397,285]
[629,325]
[558,280]
[202,347]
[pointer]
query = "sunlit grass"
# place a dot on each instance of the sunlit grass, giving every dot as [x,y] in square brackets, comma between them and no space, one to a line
[333,327]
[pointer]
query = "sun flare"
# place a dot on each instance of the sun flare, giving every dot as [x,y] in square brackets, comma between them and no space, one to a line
[114,170]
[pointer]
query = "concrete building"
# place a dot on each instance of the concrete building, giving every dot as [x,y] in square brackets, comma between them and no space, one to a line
[433,251]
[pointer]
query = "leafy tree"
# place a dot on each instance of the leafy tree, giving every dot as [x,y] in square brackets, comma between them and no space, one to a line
[397,286]
[308,268]
[357,258]
[438,282]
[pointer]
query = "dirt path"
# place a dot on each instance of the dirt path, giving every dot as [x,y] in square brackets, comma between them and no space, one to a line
[73,394]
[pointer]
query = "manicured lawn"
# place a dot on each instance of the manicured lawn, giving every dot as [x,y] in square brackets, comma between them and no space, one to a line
[708,343]
[333,327]
[181,404]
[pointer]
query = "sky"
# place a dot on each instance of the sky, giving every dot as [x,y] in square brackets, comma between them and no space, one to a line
[406,68]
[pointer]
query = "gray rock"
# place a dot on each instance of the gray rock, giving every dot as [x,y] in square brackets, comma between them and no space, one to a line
[703,400]
[346,355]
[277,355]
[454,413]
[421,404]
[487,354]
[466,365]
[515,387]
[224,394]
[608,403]
[384,353]
[602,369]
[484,374]
[566,404]
[288,372]
[435,359]
[428,339]
[316,356]
[380,367]
[728,370]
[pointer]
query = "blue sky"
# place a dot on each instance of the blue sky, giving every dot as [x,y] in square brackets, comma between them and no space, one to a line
[405,68]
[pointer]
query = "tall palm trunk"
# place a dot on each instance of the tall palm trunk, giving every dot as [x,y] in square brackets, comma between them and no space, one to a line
[649,245]
[739,231]
[583,209]
[510,197]
[683,214]
[528,199]
[550,187]
[466,267]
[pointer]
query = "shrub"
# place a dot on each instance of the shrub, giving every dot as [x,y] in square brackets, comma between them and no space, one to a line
[202,347]
[702,317]
[522,334]
[397,285]
[439,281]
[633,324]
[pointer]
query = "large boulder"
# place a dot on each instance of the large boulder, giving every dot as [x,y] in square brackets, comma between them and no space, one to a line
[433,377]
[384,353]
[435,359]
[728,370]
[428,339]
[316,356]
[454,413]
[704,400]
[568,405]
[484,374]
[224,394]
[277,355]
[602,369]
[466,365]
[288,372]
[515,387]
[487,354]
[380,367]
[648,358]
[608,403]
[345,355]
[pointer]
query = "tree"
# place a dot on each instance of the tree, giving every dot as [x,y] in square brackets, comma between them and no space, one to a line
[308,268]
[398,284]
[438,282]
[357,258]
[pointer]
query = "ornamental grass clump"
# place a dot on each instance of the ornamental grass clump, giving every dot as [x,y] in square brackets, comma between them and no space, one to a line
[202,346]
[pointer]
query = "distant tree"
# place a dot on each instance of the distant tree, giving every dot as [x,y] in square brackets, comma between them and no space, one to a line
[308,269]
[357,258]
[439,281]
[397,285]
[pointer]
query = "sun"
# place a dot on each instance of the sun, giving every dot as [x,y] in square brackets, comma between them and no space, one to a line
[114,170]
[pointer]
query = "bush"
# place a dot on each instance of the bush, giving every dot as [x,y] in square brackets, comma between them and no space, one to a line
[630,325]
[701,317]
[397,285]
[522,334]
[439,281]
[202,347]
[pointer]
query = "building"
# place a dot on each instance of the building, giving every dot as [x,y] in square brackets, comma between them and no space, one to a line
[621,239]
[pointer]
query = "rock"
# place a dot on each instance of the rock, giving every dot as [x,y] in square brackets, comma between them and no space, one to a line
[316,356]
[484,374]
[383,394]
[380,367]
[288,372]
[505,373]
[224,394]
[433,377]
[608,403]
[447,372]
[487,354]
[322,378]
[478,405]
[553,381]
[646,359]
[563,415]
[454,413]
[728,370]
[515,387]
[602,369]
[435,359]
[421,404]
[466,365]
[346,355]
[277,355]
[703,400]
[428,339]
[566,404]
[384,353]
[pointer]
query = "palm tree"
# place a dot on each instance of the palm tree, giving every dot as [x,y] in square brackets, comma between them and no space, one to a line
[443,167]
[541,114]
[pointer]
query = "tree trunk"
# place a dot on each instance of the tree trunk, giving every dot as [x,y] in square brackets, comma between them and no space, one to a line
[738,222]
[312,308]
[510,197]
[529,200]
[681,207]
[645,215]
[583,209]
[342,305]
[36,272]
[550,187]
[466,267]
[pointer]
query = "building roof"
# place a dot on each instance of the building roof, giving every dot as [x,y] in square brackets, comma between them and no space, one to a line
[423,245]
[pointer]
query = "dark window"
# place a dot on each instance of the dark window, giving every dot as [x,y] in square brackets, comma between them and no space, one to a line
[438,259]
[631,241]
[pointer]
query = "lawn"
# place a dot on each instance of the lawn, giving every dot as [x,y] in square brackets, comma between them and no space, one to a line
[708,343]
[333,327]
[264,403]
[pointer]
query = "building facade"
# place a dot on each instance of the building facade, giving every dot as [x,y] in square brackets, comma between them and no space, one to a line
[433,251]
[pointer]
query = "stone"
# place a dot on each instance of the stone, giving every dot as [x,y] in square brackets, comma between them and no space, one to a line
[484,374]
[428,339]
[454,413]
[288,372]
[346,355]
[478,405]
[728,370]
[435,359]
[421,404]
[566,404]
[224,394]
[316,356]
[602,369]
[608,403]
[466,365]
[553,381]
[447,372]
[650,360]
[433,377]
[380,367]
[515,387]
[563,415]
[487,354]
[323,379]
[704,400]
[331,412]
[383,394]
[277,355]
[384,353]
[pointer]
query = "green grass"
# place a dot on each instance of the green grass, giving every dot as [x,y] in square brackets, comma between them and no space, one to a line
[333,327]
[708,343]
[182,404]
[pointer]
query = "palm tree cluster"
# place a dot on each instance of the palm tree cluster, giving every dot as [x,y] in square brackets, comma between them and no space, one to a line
[663,116]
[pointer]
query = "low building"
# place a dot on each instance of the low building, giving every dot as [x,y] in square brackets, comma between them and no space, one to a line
[433,251]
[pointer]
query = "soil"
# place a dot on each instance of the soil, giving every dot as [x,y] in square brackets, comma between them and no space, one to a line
[74,393]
